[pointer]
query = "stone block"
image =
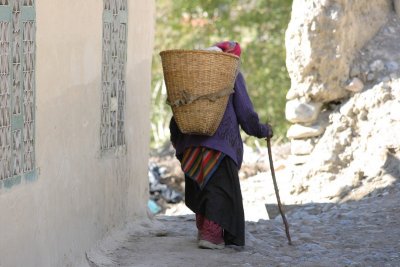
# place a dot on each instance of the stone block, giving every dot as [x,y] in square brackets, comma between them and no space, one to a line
[298,111]
[298,131]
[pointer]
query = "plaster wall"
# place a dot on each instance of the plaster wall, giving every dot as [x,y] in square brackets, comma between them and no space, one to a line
[79,195]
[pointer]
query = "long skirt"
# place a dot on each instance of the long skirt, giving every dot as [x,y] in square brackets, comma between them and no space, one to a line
[220,201]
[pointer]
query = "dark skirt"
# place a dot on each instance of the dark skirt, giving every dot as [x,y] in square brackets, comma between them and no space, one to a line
[220,201]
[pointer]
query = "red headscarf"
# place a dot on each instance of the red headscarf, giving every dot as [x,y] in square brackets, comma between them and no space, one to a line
[230,47]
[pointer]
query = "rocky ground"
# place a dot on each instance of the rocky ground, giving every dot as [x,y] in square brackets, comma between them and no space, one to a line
[350,232]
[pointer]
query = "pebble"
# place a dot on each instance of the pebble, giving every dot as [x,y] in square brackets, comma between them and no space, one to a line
[355,85]
[392,66]
[327,207]
[370,77]
[377,65]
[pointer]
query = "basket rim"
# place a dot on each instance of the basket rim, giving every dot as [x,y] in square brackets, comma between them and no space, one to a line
[196,51]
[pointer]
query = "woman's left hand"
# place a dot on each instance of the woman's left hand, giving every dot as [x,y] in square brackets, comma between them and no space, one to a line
[270,133]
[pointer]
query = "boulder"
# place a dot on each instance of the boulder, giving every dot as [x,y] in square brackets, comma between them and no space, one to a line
[323,38]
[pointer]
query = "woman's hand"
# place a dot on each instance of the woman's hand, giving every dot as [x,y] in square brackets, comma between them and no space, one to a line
[270,133]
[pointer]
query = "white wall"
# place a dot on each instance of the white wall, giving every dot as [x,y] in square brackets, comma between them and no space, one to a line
[79,196]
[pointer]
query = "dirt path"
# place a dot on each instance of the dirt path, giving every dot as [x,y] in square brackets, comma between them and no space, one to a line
[358,233]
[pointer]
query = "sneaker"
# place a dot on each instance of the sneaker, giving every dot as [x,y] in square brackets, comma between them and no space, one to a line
[208,245]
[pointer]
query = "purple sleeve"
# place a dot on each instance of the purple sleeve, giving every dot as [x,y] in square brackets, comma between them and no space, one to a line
[247,117]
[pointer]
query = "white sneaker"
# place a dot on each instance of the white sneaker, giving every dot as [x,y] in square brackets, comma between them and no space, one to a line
[209,245]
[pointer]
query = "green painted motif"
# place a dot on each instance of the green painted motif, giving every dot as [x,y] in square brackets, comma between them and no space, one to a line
[17,91]
[112,129]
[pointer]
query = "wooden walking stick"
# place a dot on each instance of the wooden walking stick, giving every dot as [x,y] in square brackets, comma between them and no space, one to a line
[277,191]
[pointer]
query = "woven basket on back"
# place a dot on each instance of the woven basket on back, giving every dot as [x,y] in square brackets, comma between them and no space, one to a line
[198,87]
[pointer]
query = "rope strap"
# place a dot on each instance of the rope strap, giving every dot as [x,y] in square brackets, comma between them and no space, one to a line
[187,98]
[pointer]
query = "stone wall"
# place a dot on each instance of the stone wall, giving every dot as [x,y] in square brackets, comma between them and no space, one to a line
[343,60]
[322,40]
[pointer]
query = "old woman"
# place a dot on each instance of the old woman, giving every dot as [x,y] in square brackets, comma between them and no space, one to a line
[211,165]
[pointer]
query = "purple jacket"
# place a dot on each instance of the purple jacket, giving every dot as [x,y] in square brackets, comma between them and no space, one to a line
[226,139]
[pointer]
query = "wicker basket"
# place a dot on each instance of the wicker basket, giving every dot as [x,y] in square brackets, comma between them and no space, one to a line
[198,87]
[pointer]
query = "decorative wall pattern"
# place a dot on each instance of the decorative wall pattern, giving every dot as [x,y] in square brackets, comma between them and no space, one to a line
[112,132]
[17,90]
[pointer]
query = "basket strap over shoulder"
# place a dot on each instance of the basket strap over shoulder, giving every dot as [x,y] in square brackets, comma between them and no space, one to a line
[187,98]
